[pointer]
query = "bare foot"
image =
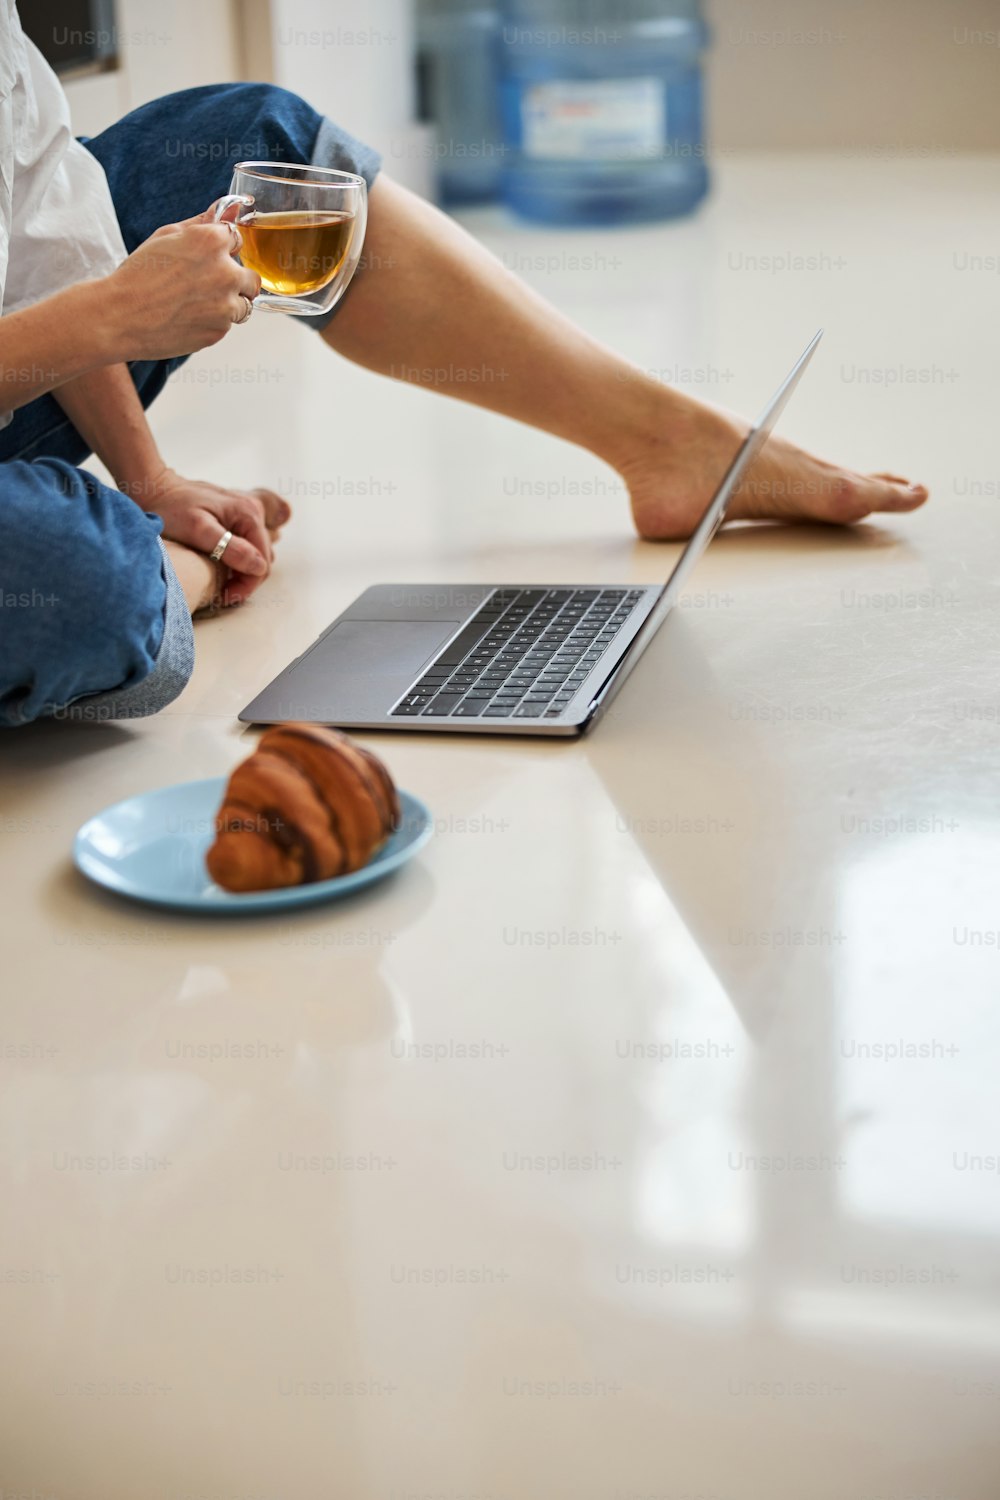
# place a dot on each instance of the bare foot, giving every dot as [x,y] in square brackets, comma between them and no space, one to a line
[672,476]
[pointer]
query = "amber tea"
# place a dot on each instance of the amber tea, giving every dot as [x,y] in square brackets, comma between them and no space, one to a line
[303,228]
[296,252]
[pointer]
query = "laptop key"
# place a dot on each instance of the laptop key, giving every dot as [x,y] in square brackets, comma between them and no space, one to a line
[461,645]
[443,704]
[529,711]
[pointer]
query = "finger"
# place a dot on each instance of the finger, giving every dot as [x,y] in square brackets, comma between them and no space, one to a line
[239,588]
[249,527]
[277,511]
[206,532]
[226,221]
[202,531]
[212,239]
[247,283]
[246,556]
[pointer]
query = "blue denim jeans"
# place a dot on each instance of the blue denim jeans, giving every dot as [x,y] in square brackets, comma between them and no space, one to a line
[92,620]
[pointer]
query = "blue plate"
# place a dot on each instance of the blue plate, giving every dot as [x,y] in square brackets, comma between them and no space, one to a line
[152,848]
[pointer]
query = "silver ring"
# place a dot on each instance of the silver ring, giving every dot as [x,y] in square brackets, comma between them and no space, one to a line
[220,546]
[240,321]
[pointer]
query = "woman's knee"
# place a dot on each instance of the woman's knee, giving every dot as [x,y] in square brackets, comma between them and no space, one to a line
[81,588]
[281,125]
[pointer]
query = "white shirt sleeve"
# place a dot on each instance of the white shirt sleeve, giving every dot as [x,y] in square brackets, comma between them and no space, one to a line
[63,223]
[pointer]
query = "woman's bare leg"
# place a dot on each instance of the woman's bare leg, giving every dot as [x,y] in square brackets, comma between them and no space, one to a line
[431,306]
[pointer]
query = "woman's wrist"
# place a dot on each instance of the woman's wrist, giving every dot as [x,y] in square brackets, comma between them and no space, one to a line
[94,306]
[142,482]
[146,480]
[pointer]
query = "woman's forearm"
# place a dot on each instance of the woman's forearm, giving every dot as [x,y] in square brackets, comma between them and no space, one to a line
[180,291]
[43,346]
[105,409]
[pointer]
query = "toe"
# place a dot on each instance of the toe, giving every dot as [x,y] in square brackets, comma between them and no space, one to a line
[850,497]
[898,494]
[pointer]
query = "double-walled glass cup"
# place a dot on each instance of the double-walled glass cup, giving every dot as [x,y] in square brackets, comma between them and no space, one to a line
[303,228]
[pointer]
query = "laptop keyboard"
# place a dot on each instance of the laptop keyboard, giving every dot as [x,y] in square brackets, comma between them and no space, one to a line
[523,655]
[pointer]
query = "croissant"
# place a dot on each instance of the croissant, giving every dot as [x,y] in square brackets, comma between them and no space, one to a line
[308,804]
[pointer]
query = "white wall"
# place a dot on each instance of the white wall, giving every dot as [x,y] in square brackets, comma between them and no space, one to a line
[919,76]
[909,76]
[163,45]
[353,60]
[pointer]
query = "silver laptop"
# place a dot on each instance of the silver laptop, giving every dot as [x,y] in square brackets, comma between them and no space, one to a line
[535,659]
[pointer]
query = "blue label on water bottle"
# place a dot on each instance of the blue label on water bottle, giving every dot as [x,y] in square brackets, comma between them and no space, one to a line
[606,119]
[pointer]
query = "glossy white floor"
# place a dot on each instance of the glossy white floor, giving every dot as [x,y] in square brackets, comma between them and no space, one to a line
[642,1139]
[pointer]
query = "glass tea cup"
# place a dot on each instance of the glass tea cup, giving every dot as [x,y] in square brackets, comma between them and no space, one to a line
[303,229]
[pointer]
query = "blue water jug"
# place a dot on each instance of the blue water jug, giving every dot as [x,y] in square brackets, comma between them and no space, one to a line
[601,102]
[458,45]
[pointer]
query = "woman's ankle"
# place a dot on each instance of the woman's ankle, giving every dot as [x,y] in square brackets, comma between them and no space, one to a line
[643,421]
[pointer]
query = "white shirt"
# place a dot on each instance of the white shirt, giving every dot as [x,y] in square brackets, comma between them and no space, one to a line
[57,220]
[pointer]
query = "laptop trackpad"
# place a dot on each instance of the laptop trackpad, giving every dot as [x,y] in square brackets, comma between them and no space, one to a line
[380,648]
[353,673]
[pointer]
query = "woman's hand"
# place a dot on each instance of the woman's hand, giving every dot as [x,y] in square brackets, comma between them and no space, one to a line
[181,290]
[197,513]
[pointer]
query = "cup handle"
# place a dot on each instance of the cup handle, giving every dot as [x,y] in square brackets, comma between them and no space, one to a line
[222,205]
